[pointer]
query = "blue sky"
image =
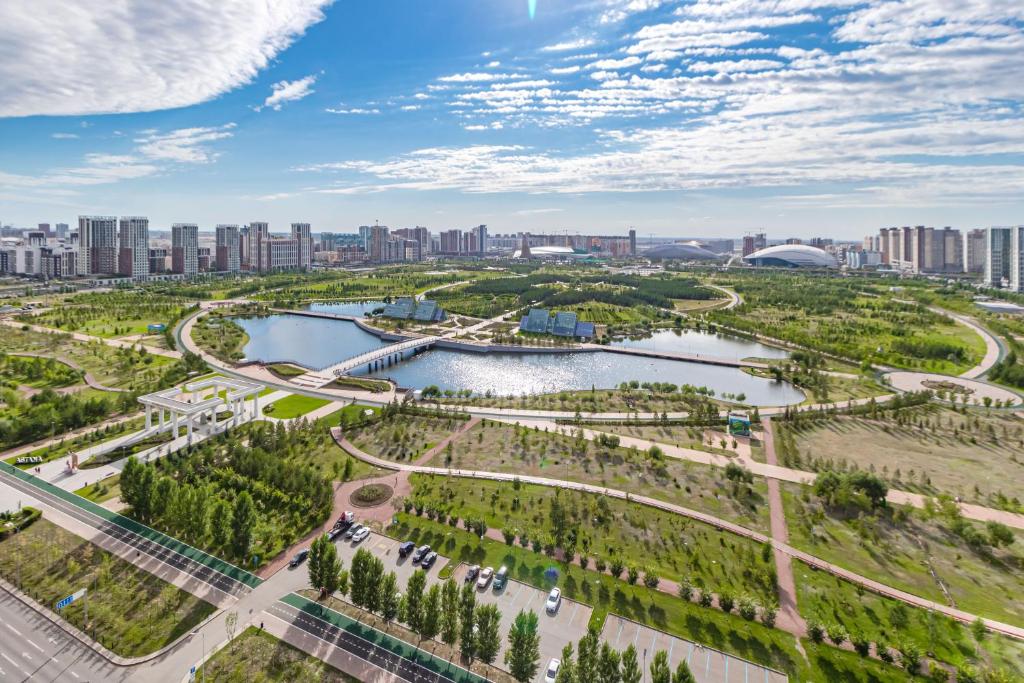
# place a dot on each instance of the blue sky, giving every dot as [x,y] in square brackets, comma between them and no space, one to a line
[703,117]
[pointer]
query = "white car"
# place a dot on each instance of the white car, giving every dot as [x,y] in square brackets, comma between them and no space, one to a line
[360,535]
[486,575]
[554,600]
[552,671]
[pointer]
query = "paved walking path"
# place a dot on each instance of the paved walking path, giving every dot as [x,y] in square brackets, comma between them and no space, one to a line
[875,586]
[86,375]
[789,614]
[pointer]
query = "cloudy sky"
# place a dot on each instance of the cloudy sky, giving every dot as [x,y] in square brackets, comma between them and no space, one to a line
[702,117]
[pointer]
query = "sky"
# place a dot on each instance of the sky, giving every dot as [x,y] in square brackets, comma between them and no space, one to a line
[697,118]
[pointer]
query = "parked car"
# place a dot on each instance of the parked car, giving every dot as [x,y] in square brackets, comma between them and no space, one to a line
[299,558]
[551,673]
[485,578]
[472,572]
[501,578]
[353,530]
[361,535]
[406,548]
[420,553]
[554,600]
[428,561]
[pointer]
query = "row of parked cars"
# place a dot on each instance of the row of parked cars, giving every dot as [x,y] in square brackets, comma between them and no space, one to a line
[345,527]
[423,556]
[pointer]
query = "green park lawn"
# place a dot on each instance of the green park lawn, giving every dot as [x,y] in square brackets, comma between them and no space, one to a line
[898,553]
[132,612]
[830,600]
[673,546]
[293,405]
[403,437]
[220,336]
[102,491]
[256,656]
[63,447]
[501,447]
[978,456]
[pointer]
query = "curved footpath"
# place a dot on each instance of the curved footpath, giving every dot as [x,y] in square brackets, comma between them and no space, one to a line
[874,586]
[86,375]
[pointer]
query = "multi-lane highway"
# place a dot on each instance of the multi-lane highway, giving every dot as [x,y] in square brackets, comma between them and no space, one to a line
[33,648]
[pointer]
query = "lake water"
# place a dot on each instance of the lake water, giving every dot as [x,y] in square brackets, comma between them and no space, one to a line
[703,344]
[317,343]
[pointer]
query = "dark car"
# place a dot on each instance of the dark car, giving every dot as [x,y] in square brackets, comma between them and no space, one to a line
[420,553]
[299,558]
[406,548]
[501,578]
[428,561]
[472,573]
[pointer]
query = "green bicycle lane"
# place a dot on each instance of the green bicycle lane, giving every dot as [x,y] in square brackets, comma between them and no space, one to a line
[379,648]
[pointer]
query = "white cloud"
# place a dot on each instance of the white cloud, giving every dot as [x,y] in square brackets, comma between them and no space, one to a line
[185,145]
[288,91]
[353,110]
[411,107]
[561,70]
[475,77]
[70,58]
[64,136]
[623,63]
[569,45]
[494,64]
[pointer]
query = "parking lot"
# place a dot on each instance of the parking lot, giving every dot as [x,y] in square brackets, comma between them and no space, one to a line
[567,625]
[708,665]
[387,550]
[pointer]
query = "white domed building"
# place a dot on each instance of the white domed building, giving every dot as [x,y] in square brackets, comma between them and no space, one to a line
[792,256]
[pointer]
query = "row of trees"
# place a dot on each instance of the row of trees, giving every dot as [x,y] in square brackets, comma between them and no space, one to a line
[595,661]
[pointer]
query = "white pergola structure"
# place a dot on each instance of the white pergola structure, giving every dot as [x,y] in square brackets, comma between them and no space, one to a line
[199,410]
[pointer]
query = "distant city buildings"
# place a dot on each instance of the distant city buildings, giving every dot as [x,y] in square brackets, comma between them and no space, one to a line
[227,248]
[1004,261]
[97,245]
[185,249]
[133,255]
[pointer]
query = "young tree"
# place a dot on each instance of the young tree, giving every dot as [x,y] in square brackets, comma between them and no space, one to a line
[430,623]
[374,578]
[608,665]
[220,523]
[567,668]
[683,673]
[414,600]
[314,564]
[586,660]
[450,612]
[523,654]
[660,672]
[467,619]
[488,640]
[389,597]
[631,672]
[243,523]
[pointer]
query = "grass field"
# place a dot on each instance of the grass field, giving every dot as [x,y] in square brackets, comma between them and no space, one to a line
[830,600]
[255,656]
[222,337]
[899,554]
[404,437]
[672,546]
[978,456]
[102,491]
[131,611]
[586,401]
[294,405]
[500,447]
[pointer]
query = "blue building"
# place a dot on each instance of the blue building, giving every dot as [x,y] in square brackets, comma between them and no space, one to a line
[562,324]
[407,308]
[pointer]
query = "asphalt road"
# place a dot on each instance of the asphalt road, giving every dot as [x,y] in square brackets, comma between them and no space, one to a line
[162,553]
[397,665]
[32,648]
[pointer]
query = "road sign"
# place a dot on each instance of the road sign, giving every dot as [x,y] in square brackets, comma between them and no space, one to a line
[61,604]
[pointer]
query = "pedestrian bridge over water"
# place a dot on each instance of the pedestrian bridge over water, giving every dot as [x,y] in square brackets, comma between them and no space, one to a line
[373,360]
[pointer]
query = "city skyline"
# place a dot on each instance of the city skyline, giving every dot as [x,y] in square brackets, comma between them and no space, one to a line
[816,117]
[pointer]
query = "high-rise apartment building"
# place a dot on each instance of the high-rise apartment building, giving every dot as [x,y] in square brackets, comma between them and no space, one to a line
[280,254]
[377,243]
[185,249]
[133,254]
[62,231]
[227,254]
[974,251]
[301,232]
[259,232]
[97,245]
[480,232]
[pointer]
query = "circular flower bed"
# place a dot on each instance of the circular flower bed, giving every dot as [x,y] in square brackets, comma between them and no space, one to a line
[371,495]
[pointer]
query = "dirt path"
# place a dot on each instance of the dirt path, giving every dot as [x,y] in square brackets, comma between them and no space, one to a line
[451,438]
[789,616]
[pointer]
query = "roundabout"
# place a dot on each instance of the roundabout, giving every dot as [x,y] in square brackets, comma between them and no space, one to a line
[967,390]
